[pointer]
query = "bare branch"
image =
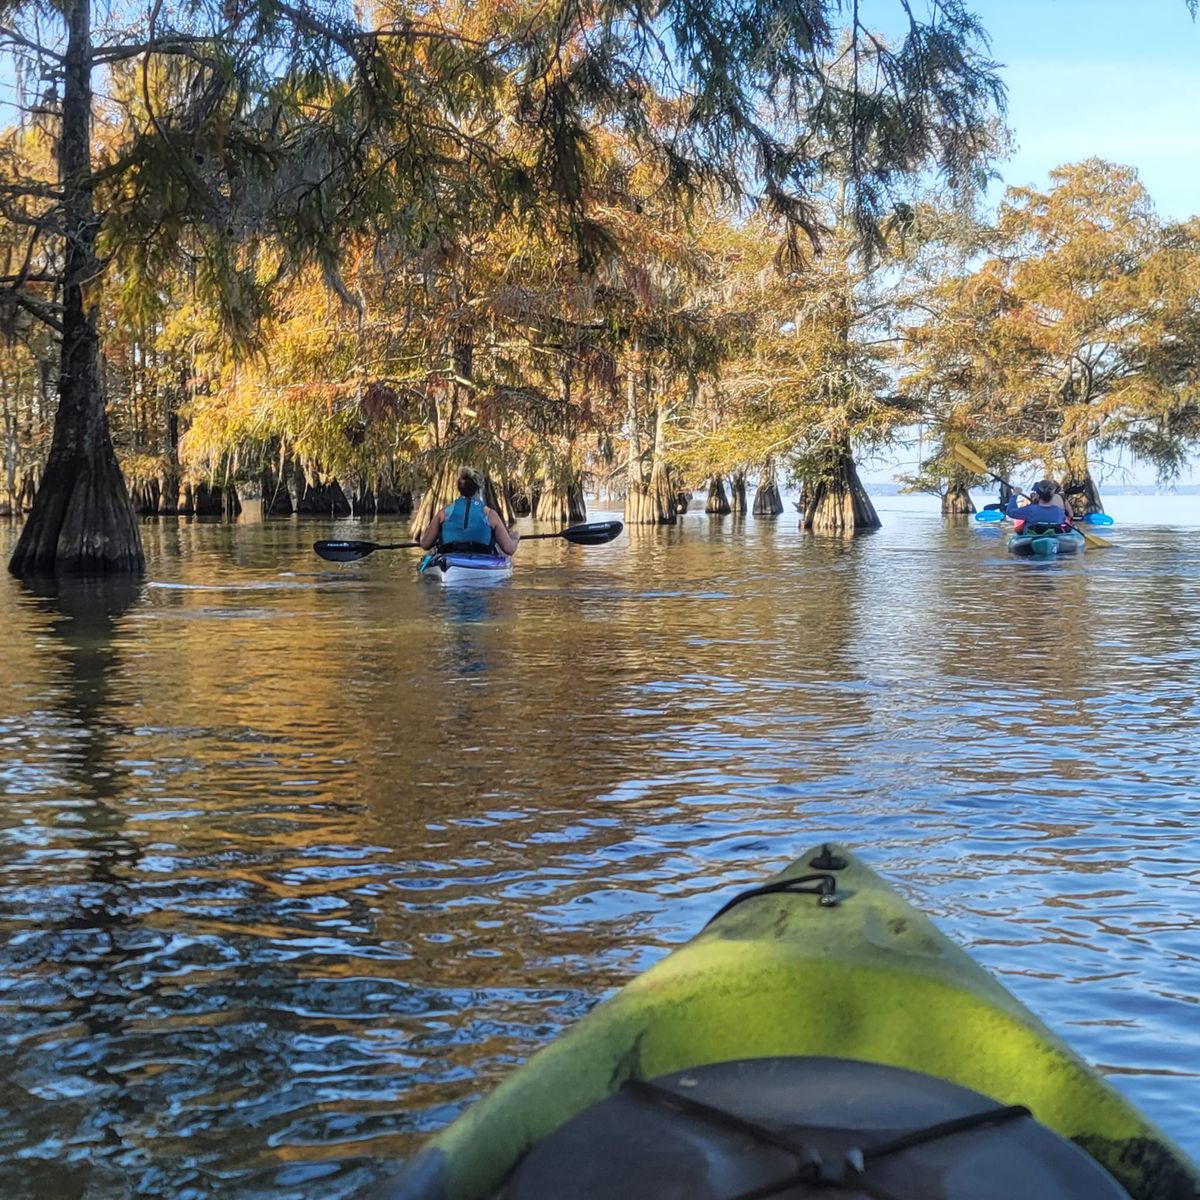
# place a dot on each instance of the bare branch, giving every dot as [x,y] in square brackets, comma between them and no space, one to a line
[17,39]
[177,44]
[43,310]
[43,191]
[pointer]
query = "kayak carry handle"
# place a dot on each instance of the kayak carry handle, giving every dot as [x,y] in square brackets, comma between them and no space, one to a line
[827,860]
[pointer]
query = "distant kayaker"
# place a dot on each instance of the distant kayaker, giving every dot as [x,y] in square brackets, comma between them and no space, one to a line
[1046,504]
[468,523]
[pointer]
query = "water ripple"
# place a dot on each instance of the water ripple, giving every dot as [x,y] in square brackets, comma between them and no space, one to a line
[287,883]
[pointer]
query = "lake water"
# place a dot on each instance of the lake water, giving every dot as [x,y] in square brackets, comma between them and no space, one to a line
[296,860]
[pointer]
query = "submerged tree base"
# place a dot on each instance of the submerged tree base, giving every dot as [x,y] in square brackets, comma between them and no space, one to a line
[737,494]
[767,501]
[81,522]
[717,503]
[840,504]
[561,505]
[1083,495]
[651,503]
[957,502]
[216,500]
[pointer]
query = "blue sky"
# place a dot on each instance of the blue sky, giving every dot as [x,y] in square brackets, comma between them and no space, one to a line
[1114,79]
[1119,79]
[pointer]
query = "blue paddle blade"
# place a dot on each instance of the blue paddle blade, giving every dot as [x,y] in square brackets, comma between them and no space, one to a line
[1098,519]
[989,514]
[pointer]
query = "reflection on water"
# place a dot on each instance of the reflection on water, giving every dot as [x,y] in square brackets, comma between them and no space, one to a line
[295,861]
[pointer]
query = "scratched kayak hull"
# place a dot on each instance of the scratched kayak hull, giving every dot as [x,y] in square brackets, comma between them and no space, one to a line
[868,979]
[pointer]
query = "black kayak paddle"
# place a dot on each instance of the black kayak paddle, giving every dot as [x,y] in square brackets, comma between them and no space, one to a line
[595,534]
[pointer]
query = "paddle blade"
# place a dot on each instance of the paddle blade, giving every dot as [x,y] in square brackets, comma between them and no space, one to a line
[344,551]
[1098,519]
[989,515]
[969,459]
[595,534]
[1093,539]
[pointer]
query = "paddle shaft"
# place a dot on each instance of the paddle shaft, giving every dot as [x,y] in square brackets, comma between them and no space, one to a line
[972,461]
[596,534]
[525,537]
[1000,479]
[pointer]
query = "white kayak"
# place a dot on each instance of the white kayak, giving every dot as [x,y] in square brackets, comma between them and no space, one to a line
[464,567]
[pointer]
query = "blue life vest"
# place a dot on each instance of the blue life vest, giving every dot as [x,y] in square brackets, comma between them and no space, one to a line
[466,525]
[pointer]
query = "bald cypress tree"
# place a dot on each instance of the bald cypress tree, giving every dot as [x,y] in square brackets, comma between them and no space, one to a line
[254,139]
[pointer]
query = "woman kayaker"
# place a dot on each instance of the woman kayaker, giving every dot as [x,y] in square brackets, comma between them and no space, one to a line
[1059,500]
[468,524]
[1041,506]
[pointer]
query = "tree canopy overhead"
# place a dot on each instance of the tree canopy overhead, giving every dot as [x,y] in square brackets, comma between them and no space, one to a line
[222,150]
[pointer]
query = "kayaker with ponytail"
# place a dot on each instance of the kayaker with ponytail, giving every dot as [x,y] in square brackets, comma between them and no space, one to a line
[1059,500]
[468,524]
[1042,506]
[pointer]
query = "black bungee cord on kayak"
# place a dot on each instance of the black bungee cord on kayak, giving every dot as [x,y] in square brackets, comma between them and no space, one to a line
[825,889]
[850,1174]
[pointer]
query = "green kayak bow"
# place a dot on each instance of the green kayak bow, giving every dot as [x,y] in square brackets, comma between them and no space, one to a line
[824,968]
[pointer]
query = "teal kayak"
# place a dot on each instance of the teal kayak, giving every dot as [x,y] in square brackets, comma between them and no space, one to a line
[1046,542]
[821,1033]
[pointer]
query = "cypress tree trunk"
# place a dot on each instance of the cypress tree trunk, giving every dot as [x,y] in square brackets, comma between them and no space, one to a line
[382,501]
[1083,495]
[442,490]
[717,502]
[171,475]
[320,498]
[146,497]
[81,522]
[839,504]
[561,503]
[522,500]
[737,494]
[651,502]
[216,500]
[767,502]
[1079,487]
[560,492]
[957,502]
[496,498]
[276,500]
[8,499]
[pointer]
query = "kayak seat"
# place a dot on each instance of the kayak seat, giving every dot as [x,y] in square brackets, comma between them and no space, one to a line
[465,548]
[805,1128]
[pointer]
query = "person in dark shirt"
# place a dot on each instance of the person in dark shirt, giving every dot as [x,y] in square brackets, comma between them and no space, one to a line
[1041,506]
